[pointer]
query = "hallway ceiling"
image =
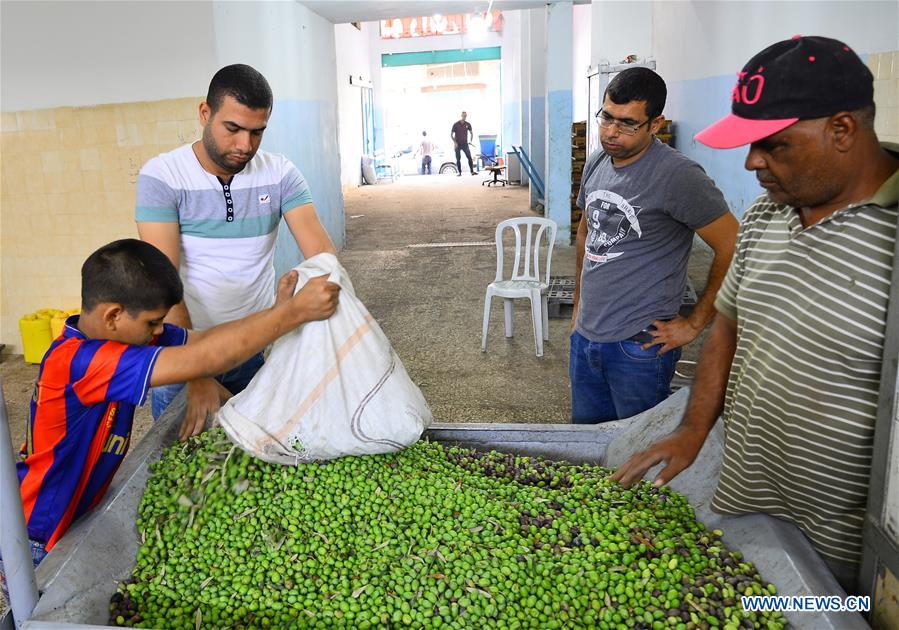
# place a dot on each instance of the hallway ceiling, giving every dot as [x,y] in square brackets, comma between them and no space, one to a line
[342,11]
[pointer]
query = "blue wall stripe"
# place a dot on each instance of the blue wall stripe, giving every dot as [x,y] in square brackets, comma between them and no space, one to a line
[306,132]
[558,179]
[537,142]
[695,104]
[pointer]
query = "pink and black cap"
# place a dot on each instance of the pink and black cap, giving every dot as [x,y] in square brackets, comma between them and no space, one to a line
[796,79]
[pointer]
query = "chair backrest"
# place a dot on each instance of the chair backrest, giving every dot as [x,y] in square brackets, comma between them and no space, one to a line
[488,144]
[529,236]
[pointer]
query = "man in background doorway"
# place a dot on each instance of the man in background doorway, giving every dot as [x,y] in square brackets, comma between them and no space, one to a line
[462,135]
[426,148]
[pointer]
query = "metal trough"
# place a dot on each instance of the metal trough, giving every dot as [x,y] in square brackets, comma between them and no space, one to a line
[80,575]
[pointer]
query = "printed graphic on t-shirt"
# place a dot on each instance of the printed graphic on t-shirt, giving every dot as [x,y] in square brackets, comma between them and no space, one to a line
[610,218]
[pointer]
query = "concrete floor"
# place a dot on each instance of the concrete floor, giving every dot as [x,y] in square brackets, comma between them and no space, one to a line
[430,301]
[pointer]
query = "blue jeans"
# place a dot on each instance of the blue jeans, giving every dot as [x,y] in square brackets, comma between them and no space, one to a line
[615,380]
[38,553]
[235,381]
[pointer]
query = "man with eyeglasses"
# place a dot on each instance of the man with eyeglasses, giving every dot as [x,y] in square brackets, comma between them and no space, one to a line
[642,201]
[793,359]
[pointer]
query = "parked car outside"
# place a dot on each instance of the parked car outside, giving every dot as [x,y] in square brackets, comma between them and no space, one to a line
[406,163]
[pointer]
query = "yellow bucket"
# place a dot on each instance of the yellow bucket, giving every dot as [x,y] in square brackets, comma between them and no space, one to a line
[36,336]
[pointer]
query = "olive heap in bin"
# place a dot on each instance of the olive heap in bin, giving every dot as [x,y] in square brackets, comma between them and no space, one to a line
[433,536]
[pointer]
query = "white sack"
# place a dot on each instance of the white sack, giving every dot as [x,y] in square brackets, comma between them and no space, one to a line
[328,389]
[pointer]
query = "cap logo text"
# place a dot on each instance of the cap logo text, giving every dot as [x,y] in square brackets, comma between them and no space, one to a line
[748,91]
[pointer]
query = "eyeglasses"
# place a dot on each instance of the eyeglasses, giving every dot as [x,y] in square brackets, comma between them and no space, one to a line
[628,129]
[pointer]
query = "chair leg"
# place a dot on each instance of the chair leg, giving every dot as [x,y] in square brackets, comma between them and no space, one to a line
[537,320]
[545,309]
[507,305]
[487,301]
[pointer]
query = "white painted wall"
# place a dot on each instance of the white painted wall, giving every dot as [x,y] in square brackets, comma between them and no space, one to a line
[525,86]
[537,87]
[621,28]
[353,59]
[292,46]
[582,30]
[692,40]
[84,53]
[511,81]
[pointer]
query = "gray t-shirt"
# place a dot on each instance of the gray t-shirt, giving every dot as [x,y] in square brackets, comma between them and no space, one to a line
[640,223]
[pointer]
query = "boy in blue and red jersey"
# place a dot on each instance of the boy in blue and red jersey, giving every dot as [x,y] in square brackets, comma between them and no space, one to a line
[102,366]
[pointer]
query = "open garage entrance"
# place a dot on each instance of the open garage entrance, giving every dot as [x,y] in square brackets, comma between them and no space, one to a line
[426,92]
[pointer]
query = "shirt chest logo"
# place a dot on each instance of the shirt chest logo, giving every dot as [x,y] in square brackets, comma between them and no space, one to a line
[265,199]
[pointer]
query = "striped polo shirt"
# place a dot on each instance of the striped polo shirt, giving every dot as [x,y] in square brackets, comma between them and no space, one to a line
[801,403]
[228,230]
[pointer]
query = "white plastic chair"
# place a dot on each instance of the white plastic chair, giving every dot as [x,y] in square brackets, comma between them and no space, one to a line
[528,279]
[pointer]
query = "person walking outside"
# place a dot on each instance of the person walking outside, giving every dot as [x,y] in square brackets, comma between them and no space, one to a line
[461,135]
[426,148]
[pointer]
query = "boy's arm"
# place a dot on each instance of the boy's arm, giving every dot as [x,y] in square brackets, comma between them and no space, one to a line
[225,346]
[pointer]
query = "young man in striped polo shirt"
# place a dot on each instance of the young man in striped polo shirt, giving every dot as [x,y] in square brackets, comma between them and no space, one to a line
[793,358]
[214,206]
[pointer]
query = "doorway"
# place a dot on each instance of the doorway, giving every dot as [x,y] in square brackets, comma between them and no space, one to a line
[429,97]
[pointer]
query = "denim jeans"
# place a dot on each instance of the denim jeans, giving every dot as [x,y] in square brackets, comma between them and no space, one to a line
[235,381]
[463,149]
[38,553]
[615,380]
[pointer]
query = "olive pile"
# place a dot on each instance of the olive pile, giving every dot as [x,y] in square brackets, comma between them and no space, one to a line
[434,536]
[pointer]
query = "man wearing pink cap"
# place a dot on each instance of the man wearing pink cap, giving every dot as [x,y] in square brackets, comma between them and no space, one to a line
[794,355]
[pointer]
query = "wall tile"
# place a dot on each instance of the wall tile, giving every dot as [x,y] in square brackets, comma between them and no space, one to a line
[887,121]
[9,122]
[884,66]
[873,62]
[13,177]
[71,137]
[13,144]
[93,180]
[65,118]
[147,133]
[109,158]
[167,133]
[41,140]
[52,161]
[68,186]
[90,159]
[100,135]
[32,162]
